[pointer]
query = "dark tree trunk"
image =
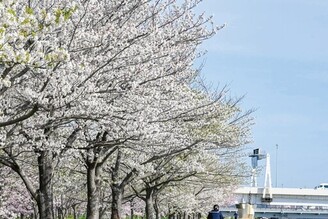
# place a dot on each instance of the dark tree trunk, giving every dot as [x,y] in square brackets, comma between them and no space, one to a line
[117,202]
[156,208]
[60,213]
[118,186]
[117,195]
[93,200]
[45,193]
[117,189]
[74,211]
[149,203]
[131,210]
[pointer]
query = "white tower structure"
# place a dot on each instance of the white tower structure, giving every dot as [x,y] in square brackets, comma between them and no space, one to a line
[267,192]
[256,156]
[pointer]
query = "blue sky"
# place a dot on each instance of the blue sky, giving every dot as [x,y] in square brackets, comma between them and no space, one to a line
[276,53]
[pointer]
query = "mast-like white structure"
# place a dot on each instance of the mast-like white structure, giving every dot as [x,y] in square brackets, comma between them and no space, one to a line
[256,156]
[267,192]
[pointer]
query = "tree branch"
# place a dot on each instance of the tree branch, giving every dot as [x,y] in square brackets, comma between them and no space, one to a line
[22,118]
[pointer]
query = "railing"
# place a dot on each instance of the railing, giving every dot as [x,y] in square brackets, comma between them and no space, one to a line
[282,209]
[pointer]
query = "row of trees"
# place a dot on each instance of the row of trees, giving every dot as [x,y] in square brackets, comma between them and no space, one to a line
[102,110]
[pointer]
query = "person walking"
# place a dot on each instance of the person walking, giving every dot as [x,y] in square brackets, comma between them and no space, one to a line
[235,215]
[215,213]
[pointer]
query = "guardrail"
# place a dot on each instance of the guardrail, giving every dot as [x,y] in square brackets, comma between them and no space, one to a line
[282,213]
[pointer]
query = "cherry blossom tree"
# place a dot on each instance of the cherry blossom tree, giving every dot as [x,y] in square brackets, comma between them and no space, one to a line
[14,198]
[32,50]
[130,93]
[109,83]
[204,127]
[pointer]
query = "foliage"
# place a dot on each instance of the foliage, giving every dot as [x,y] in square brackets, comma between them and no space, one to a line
[108,88]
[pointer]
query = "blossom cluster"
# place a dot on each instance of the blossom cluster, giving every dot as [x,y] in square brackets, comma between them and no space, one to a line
[111,85]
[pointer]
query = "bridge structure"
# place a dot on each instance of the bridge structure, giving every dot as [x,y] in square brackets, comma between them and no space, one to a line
[286,203]
[280,203]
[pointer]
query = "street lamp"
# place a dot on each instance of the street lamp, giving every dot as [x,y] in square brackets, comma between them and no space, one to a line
[276,165]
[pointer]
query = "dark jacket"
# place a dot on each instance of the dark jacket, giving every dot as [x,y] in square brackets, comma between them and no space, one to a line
[215,215]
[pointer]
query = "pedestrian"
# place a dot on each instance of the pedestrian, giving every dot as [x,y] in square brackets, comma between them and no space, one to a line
[235,215]
[215,213]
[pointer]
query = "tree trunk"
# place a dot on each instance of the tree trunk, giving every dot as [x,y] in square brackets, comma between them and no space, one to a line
[117,195]
[74,211]
[60,213]
[131,210]
[149,203]
[45,193]
[93,199]
[156,208]
[117,188]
